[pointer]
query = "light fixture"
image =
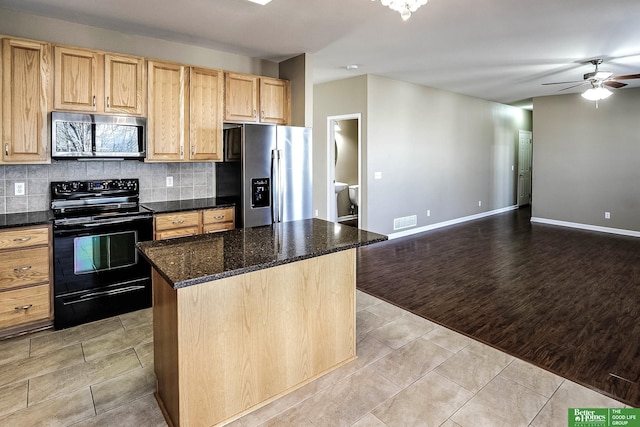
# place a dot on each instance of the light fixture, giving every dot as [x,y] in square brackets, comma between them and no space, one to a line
[405,7]
[262,2]
[596,93]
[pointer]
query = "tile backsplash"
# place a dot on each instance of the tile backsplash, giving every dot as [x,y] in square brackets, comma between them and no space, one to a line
[190,180]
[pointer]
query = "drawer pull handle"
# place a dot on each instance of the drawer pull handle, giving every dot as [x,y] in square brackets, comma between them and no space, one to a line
[24,307]
[178,221]
[22,239]
[219,217]
[21,269]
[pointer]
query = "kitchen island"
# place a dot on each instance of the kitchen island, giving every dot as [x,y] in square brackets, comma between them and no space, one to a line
[245,316]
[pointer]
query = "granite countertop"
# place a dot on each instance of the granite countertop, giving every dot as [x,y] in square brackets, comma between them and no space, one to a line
[24,219]
[188,261]
[187,205]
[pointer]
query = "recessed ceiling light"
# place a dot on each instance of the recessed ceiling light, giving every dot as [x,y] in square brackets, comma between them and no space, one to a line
[262,2]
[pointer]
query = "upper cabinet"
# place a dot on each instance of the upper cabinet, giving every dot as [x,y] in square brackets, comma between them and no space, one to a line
[275,101]
[185,111]
[205,113]
[166,126]
[26,101]
[250,98]
[98,82]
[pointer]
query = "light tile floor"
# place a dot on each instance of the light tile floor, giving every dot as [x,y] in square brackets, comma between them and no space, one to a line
[409,372]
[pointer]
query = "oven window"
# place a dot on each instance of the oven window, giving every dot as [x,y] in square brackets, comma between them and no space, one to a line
[117,138]
[104,252]
[73,137]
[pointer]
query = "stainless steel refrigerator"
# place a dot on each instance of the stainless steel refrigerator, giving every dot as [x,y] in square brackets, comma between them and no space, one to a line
[267,172]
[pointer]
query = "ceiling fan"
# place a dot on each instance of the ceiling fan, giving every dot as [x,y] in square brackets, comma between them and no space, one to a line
[597,79]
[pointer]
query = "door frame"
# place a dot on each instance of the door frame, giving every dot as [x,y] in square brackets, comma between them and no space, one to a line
[331,167]
[529,134]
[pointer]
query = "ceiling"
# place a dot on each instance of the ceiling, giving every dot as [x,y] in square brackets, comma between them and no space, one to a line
[498,50]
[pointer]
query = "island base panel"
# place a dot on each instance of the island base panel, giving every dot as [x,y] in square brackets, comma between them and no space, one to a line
[229,346]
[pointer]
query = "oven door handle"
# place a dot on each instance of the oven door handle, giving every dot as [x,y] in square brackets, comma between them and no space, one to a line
[95,295]
[98,223]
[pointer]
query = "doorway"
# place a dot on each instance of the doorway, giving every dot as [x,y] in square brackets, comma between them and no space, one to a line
[344,169]
[525,142]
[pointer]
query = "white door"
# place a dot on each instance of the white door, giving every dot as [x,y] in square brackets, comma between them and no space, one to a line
[524,167]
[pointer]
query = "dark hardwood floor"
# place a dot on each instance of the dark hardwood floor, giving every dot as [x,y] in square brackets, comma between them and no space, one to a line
[566,300]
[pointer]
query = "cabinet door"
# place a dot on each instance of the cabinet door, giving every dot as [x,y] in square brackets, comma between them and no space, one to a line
[205,114]
[274,101]
[241,97]
[166,121]
[26,101]
[125,85]
[76,79]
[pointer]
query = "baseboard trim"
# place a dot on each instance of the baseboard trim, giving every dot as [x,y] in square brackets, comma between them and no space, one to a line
[587,227]
[450,222]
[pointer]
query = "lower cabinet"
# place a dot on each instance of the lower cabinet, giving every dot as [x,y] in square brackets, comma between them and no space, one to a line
[190,223]
[25,279]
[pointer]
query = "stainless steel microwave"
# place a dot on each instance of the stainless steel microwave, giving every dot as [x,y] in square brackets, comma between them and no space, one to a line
[95,136]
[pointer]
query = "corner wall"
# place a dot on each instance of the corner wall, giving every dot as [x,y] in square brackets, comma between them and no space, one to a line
[437,151]
[586,160]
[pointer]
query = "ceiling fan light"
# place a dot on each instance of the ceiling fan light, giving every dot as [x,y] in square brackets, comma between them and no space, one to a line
[597,93]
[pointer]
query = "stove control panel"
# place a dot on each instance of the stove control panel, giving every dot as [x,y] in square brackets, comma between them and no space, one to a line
[60,189]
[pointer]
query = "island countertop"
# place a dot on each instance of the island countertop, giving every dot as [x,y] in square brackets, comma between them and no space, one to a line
[188,261]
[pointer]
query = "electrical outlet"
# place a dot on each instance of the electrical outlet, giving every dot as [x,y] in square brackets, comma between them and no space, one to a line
[377,175]
[169,181]
[428,212]
[607,215]
[316,212]
[479,202]
[19,189]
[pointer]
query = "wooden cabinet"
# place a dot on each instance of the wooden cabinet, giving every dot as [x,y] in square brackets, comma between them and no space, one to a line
[275,101]
[25,279]
[214,220]
[190,223]
[167,110]
[185,109]
[94,81]
[26,101]
[250,98]
[178,224]
[205,113]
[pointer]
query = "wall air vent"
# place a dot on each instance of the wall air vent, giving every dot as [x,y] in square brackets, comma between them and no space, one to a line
[405,222]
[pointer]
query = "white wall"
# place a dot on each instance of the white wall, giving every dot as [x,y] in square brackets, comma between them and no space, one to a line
[436,150]
[56,31]
[587,161]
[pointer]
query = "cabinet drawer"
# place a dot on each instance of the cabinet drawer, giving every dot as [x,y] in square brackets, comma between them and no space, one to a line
[23,306]
[176,232]
[16,239]
[219,226]
[177,220]
[212,216]
[24,267]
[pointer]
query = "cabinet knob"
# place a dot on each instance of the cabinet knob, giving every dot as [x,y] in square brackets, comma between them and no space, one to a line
[94,100]
[6,149]
[254,114]
[25,307]
[108,105]
[262,114]
[193,150]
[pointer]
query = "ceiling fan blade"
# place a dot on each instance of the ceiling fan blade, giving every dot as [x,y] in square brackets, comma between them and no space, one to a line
[571,87]
[627,77]
[614,84]
[563,83]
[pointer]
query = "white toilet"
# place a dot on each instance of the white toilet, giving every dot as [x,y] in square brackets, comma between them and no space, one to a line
[353,194]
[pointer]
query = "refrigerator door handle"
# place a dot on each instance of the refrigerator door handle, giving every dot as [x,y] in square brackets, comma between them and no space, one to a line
[280,184]
[274,176]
